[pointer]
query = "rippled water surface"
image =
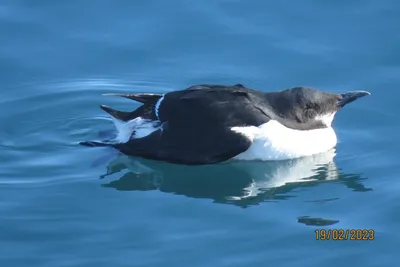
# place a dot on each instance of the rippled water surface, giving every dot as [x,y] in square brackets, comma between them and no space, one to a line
[66,205]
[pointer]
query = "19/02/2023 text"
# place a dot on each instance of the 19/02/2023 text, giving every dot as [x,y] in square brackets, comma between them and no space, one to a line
[345,234]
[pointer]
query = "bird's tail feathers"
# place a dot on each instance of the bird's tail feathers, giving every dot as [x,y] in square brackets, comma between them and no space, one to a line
[119,115]
[95,144]
[142,98]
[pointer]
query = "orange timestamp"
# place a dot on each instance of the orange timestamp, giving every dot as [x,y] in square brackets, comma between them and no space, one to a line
[345,234]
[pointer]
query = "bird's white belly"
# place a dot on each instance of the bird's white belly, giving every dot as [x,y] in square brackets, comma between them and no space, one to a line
[273,141]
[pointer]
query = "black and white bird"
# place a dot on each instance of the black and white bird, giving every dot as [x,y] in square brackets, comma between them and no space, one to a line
[206,124]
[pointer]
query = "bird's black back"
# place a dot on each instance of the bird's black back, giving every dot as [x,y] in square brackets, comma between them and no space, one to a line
[213,106]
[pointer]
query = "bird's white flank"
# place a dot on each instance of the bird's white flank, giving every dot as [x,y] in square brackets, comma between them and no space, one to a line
[273,141]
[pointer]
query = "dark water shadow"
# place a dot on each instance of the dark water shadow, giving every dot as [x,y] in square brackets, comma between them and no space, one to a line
[237,183]
[307,220]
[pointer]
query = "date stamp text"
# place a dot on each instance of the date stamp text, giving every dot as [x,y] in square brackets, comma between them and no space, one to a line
[344,234]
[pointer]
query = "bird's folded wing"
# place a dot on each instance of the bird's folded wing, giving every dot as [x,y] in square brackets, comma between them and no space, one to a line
[197,126]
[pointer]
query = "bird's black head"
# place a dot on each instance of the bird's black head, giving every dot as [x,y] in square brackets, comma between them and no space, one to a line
[306,108]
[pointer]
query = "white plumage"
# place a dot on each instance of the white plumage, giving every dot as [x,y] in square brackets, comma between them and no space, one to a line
[136,128]
[273,141]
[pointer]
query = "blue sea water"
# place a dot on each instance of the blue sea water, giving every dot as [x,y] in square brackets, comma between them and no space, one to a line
[66,205]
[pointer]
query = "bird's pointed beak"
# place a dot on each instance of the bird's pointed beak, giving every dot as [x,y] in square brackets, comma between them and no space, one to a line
[349,97]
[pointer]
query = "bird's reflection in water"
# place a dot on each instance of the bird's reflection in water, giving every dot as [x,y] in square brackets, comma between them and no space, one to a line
[238,183]
[307,220]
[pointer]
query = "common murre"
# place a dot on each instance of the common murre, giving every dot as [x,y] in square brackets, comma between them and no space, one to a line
[207,124]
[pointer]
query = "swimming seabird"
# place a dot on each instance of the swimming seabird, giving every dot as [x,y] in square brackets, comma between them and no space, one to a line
[206,124]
